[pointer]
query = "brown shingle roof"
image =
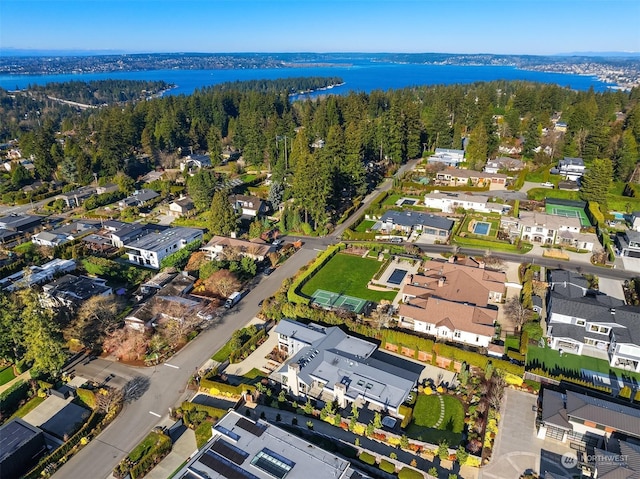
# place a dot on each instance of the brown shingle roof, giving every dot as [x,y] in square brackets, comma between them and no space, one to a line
[455,316]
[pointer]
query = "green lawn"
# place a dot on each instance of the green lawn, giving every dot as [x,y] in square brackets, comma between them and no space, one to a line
[364,226]
[493,231]
[203,434]
[6,375]
[571,364]
[349,275]
[391,200]
[33,403]
[426,412]
[222,354]
[512,342]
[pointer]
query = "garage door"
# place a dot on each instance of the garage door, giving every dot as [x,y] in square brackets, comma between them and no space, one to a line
[555,433]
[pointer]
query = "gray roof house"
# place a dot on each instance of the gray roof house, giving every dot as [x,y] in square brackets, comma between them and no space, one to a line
[571,168]
[328,363]
[572,415]
[150,249]
[241,448]
[138,198]
[595,325]
[409,221]
[21,445]
[447,156]
[619,459]
[70,290]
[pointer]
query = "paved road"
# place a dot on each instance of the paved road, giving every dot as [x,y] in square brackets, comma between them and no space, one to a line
[163,386]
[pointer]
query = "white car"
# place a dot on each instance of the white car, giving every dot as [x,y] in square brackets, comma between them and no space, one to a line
[548,184]
[277,242]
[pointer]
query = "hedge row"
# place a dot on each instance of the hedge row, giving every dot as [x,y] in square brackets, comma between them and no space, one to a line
[211,411]
[594,214]
[407,413]
[208,385]
[293,294]
[408,473]
[155,455]
[62,451]
[238,354]
[367,458]
[87,396]
[10,399]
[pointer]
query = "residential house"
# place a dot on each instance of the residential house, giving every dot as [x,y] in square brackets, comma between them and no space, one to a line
[220,246]
[248,206]
[412,221]
[70,290]
[456,177]
[567,283]
[450,202]
[618,457]
[139,198]
[575,417]
[537,227]
[150,249]
[65,233]
[635,221]
[170,300]
[560,127]
[628,243]
[453,301]
[448,157]
[21,223]
[571,168]
[195,161]
[183,206]
[21,446]
[76,197]
[242,448]
[503,163]
[594,325]
[37,274]
[327,363]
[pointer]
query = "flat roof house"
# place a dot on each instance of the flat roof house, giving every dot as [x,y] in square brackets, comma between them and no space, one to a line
[571,168]
[327,362]
[38,274]
[241,448]
[457,177]
[20,223]
[21,445]
[152,248]
[447,156]
[450,202]
[410,221]
[628,243]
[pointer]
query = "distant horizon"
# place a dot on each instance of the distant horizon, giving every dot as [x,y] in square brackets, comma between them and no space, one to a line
[15,52]
[503,27]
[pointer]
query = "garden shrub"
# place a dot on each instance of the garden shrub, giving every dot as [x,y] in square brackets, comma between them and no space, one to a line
[367,458]
[387,466]
[87,396]
[408,473]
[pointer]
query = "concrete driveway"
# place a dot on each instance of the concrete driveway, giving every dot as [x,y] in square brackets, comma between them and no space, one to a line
[611,287]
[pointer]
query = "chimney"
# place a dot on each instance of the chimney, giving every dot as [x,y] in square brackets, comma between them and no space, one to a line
[452,259]
[441,281]
[481,264]
[613,311]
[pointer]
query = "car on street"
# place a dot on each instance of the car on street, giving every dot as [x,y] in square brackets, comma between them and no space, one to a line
[278,242]
[268,271]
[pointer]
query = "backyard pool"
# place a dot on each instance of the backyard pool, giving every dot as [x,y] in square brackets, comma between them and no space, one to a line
[409,202]
[397,276]
[482,228]
[618,216]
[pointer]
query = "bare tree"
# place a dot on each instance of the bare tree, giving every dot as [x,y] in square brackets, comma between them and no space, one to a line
[223,282]
[274,257]
[492,262]
[515,310]
[96,318]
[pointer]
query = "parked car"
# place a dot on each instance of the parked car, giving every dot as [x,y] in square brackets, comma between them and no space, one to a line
[268,271]
[277,243]
[396,240]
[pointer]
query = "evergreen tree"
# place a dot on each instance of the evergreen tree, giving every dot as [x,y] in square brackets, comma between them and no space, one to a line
[223,219]
[476,153]
[596,181]
[19,176]
[628,156]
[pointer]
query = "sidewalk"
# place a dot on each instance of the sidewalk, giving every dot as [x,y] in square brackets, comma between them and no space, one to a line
[183,448]
[25,376]
[376,447]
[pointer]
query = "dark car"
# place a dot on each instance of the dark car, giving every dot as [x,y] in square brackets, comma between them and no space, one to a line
[268,271]
[260,302]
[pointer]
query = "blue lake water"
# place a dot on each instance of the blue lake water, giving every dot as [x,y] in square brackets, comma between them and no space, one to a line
[362,76]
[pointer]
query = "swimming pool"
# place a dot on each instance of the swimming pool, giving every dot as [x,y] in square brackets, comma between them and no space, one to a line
[482,228]
[397,276]
[618,216]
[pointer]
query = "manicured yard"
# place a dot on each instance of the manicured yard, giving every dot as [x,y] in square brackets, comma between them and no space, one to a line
[364,226]
[391,200]
[145,446]
[469,232]
[33,403]
[203,434]
[512,342]
[571,364]
[427,409]
[349,275]
[6,375]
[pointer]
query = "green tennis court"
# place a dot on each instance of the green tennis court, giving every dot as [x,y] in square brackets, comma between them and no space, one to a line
[328,299]
[569,212]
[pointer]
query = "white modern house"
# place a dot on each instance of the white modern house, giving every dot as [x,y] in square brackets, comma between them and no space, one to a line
[327,363]
[447,156]
[152,248]
[450,202]
[542,228]
[571,168]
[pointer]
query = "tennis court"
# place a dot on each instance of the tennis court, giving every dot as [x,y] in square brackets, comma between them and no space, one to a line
[569,212]
[328,299]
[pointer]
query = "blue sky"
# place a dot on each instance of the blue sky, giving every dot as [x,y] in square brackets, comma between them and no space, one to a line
[456,26]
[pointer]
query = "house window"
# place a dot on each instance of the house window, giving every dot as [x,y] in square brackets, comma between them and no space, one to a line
[477,339]
[456,334]
[580,322]
[528,229]
[594,328]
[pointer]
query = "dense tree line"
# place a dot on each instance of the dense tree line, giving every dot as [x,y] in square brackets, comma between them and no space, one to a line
[356,129]
[291,85]
[100,92]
